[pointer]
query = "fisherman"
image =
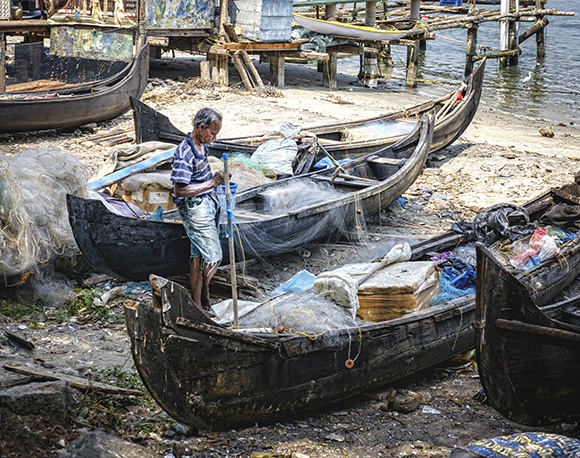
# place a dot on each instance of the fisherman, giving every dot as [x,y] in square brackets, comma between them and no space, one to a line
[193,192]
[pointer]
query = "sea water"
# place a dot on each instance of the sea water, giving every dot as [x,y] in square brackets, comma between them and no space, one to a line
[553,89]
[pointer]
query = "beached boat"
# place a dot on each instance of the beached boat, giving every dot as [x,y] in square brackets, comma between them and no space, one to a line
[215,377]
[212,377]
[528,357]
[270,219]
[77,105]
[342,29]
[151,125]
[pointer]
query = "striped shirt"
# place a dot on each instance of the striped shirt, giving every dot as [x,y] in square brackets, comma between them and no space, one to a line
[189,166]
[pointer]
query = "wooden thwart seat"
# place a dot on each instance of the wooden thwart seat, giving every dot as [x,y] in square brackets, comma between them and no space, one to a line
[384,161]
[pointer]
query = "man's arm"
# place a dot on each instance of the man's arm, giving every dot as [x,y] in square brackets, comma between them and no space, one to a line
[192,190]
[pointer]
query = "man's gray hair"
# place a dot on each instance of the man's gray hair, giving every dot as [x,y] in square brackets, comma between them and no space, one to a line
[205,117]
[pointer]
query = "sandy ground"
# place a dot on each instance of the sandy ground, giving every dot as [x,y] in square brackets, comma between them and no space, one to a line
[501,157]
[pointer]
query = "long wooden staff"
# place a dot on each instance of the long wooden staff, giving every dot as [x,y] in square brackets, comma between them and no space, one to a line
[230,222]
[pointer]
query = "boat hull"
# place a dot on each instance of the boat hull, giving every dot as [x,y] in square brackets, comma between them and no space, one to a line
[103,103]
[348,30]
[151,125]
[118,246]
[214,378]
[528,358]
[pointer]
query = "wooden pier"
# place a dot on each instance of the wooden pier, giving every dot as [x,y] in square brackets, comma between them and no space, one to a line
[420,20]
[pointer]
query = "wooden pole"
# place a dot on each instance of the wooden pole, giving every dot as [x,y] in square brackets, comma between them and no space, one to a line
[229,209]
[471,48]
[540,37]
[242,71]
[533,30]
[413,51]
[223,15]
[329,11]
[513,33]
[2,62]
[504,31]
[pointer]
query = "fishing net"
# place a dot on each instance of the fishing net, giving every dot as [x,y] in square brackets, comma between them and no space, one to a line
[378,129]
[34,227]
[344,221]
[31,68]
[300,313]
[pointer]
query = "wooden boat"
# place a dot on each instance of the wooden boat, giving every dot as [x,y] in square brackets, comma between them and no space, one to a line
[528,357]
[151,125]
[213,377]
[90,102]
[348,30]
[267,224]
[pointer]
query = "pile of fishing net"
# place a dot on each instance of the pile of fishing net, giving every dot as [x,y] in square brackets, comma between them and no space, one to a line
[34,226]
[299,313]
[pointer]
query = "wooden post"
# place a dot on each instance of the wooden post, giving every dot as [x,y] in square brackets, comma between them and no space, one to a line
[513,33]
[2,62]
[218,68]
[222,70]
[277,70]
[329,72]
[413,50]
[412,64]
[540,41]
[223,15]
[242,72]
[504,31]
[368,72]
[470,52]
[329,11]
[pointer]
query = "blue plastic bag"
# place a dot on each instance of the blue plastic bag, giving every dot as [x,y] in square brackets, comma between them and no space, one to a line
[301,281]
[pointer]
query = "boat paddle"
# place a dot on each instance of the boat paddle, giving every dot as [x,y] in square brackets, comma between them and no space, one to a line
[230,223]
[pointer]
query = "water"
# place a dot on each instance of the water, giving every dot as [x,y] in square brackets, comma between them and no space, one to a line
[553,91]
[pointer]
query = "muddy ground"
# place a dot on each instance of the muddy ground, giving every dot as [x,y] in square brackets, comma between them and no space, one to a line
[500,158]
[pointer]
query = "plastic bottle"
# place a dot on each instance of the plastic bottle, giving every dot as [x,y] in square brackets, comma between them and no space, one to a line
[424,20]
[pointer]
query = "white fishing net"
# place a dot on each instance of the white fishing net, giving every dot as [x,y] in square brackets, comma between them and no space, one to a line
[288,233]
[300,313]
[34,227]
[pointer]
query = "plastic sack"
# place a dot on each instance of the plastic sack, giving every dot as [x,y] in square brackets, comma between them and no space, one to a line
[340,288]
[301,281]
[542,247]
[277,155]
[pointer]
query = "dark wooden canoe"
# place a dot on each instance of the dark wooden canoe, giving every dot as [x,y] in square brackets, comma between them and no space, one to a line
[96,102]
[208,376]
[132,249]
[151,125]
[211,377]
[528,357]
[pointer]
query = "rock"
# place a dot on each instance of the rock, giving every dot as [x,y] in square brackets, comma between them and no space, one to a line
[407,401]
[546,133]
[97,444]
[35,415]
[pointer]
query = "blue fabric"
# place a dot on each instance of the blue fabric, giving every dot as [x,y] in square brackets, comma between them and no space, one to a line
[190,166]
[532,445]
[326,163]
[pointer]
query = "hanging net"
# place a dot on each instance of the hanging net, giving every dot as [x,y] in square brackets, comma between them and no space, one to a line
[34,227]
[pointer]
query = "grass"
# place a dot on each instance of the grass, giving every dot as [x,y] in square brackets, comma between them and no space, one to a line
[81,304]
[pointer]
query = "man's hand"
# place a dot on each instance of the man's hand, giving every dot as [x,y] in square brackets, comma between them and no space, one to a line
[218,177]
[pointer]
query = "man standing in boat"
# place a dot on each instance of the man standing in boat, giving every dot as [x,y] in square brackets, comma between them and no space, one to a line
[193,192]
